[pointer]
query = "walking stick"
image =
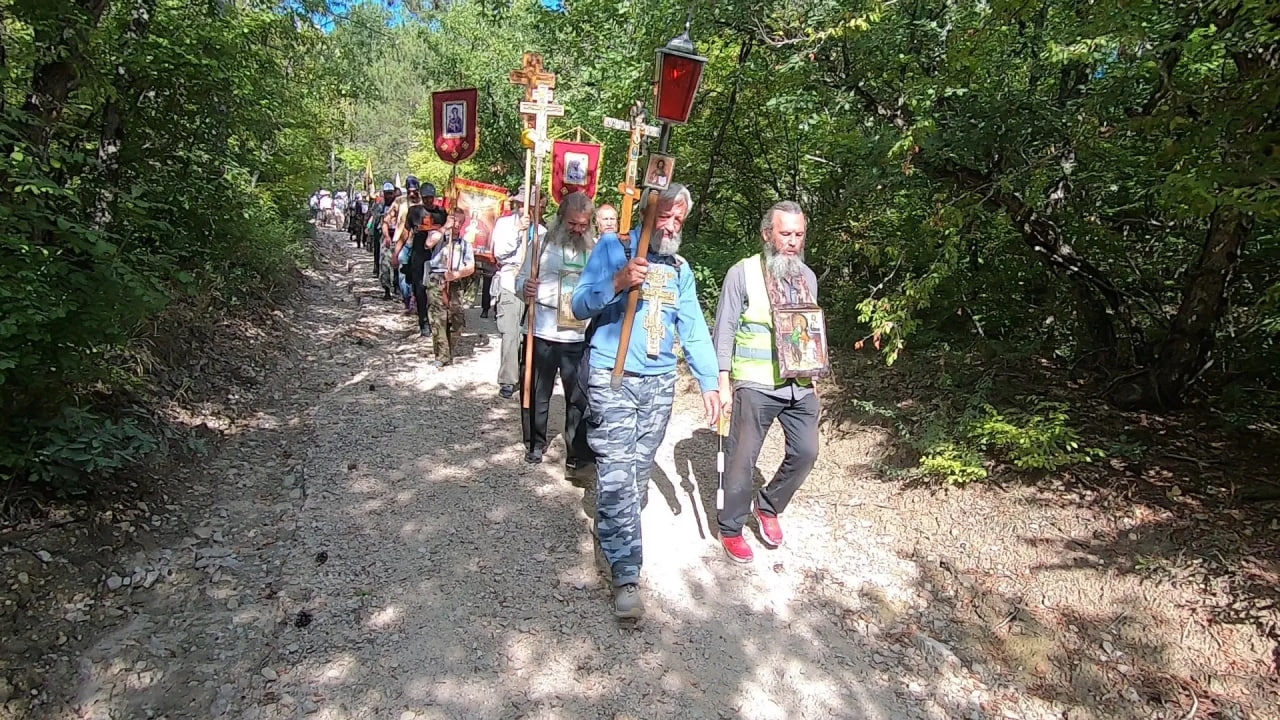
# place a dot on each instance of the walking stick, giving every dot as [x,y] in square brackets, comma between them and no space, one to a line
[534,220]
[722,429]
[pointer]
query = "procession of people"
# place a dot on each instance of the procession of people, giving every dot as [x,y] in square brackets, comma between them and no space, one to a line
[609,309]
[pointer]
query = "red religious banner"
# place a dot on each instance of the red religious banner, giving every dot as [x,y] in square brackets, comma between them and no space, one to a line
[575,166]
[483,204]
[454,120]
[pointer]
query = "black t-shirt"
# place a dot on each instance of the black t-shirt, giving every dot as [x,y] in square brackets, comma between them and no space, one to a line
[423,220]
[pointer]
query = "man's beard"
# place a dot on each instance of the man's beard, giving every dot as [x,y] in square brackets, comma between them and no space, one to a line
[560,234]
[782,265]
[669,243]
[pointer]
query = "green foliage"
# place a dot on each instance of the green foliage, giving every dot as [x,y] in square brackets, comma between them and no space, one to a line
[77,444]
[1033,435]
[153,154]
[953,464]
[1037,438]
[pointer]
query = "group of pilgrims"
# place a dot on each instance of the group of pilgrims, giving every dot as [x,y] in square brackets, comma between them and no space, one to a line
[577,301]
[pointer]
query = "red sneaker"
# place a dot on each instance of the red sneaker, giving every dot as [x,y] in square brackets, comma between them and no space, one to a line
[770,528]
[737,549]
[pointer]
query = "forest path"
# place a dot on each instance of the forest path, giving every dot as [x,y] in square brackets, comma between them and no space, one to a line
[376,547]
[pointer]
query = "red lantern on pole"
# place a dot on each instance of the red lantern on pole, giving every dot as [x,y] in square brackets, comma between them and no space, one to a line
[679,76]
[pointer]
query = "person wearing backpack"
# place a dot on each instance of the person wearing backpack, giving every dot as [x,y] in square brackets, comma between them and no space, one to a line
[627,424]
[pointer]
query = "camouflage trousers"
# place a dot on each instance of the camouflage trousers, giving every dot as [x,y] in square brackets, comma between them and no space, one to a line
[387,274]
[446,316]
[624,429]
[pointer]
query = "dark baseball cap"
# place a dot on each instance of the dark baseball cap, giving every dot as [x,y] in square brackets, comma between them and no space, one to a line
[411,183]
[428,190]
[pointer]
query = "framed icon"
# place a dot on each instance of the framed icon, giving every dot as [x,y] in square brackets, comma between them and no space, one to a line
[800,335]
[575,168]
[660,171]
[455,119]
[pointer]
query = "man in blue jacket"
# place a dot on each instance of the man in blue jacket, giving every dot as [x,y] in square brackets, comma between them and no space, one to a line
[627,425]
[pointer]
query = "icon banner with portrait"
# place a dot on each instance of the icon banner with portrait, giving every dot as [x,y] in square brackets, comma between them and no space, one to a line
[575,167]
[482,203]
[454,124]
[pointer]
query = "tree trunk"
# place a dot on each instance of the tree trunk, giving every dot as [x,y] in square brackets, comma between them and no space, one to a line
[1185,351]
[113,131]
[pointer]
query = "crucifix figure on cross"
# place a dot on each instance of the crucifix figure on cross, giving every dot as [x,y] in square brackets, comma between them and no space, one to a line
[658,295]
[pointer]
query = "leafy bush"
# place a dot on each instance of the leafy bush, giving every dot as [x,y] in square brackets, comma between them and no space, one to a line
[167,173]
[954,464]
[1039,439]
[77,444]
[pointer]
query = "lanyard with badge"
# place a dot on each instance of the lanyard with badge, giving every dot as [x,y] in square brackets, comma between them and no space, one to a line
[799,328]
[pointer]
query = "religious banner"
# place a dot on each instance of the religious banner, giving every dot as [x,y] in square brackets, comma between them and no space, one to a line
[575,167]
[454,121]
[483,204]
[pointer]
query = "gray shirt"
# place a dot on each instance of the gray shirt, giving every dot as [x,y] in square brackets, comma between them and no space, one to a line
[733,298]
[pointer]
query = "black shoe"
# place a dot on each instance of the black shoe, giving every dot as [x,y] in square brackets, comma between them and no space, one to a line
[386,294]
[484,313]
[533,457]
[424,332]
[507,391]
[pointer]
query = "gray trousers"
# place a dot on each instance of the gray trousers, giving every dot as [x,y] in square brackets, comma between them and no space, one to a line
[624,429]
[510,312]
[752,414]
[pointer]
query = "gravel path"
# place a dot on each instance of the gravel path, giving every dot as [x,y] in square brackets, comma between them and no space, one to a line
[394,557]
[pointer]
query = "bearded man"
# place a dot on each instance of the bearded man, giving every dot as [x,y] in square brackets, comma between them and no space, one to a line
[627,424]
[559,339]
[751,386]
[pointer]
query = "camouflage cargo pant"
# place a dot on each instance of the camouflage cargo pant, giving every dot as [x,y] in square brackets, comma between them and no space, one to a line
[624,429]
[387,274]
[447,319]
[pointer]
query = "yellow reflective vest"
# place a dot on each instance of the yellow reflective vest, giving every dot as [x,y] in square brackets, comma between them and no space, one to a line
[755,355]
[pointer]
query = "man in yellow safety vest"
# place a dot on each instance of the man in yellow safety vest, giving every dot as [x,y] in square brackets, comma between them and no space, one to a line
[751,385]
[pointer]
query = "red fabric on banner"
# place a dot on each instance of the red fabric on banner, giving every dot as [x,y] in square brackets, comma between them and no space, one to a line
[568,179]
[483,204]
[453,114]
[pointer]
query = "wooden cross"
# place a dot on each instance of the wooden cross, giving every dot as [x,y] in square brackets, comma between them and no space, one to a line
[658,295]
[531,75]
[639,131]
[540,108]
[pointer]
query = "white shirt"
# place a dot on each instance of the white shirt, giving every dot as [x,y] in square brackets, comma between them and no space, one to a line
[509,249]
[559,270]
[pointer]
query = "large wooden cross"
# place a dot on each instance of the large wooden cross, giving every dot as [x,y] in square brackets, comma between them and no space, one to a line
[532,76]
[658,295]
[639,131]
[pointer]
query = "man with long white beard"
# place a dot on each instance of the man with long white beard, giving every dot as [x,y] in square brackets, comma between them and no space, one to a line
[627,425]
[751,386]
[559,339]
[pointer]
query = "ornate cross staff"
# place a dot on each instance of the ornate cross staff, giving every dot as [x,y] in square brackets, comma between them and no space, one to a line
[540,107]
[679,72]
[531,75]
[639,131]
